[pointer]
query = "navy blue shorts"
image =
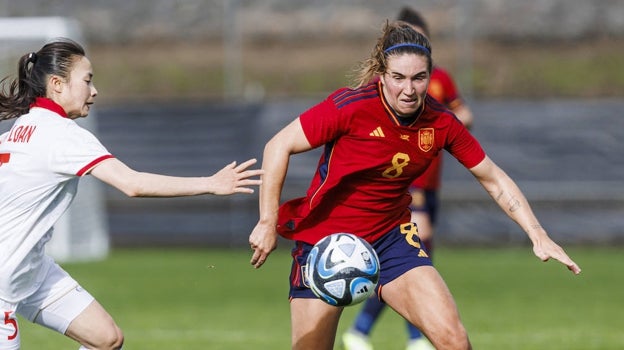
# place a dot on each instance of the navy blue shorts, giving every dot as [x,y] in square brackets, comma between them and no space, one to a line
[399,251]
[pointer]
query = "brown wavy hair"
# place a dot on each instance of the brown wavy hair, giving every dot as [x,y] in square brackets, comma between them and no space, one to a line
[393,33]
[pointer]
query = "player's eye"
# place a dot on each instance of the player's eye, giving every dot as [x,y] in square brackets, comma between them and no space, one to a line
[420,77]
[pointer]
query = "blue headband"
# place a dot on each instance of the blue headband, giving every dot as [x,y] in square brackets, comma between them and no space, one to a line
[407,45]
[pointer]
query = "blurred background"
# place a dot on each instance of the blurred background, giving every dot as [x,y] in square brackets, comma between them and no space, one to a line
[188,86]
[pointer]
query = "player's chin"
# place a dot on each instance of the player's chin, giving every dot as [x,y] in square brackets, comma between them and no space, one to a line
[85,110]
[408,109]
[409,106]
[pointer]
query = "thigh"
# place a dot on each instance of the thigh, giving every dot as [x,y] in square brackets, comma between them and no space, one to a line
[57,302]
[422,297]
[61,304]
[314,324]
[94,327]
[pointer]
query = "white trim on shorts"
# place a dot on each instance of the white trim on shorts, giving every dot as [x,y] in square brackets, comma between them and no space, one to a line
[58,301]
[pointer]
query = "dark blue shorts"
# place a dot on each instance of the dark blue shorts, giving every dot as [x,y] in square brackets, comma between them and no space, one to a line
[399,251]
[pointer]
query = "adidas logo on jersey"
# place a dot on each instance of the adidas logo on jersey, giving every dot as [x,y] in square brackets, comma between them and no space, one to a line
[377,132]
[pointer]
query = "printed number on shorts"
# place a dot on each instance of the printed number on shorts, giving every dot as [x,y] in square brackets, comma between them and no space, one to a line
[410,230]
[10,321]
[4,158]
[399,161]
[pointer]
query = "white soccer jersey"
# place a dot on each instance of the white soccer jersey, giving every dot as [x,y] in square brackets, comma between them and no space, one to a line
[41,160]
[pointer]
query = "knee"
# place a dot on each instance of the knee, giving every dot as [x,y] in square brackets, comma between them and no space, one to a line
[112,339]
[459,342]
[115,342]
[455,338]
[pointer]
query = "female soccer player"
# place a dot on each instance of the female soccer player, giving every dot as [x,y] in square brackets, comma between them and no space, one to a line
[42,158]
[378,138]
[425,203]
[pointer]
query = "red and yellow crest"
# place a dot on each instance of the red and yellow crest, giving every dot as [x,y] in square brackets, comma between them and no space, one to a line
[425,139]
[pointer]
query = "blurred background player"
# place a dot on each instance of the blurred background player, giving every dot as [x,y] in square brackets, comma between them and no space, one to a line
[424,192]
[42,158]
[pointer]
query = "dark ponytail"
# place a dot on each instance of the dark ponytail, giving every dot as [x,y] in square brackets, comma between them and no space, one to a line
[34,69]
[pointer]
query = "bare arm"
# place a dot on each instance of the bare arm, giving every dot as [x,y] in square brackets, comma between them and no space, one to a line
[508,196]
[288,141]
[231,179]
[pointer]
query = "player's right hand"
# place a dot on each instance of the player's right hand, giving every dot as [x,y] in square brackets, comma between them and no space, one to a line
[263,240]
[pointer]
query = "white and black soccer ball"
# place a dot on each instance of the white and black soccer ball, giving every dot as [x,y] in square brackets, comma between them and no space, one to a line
[342,269]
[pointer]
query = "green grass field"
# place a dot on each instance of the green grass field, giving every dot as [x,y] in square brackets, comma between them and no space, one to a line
[213,299]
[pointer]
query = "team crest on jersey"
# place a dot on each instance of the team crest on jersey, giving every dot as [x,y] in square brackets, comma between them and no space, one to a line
[425,139]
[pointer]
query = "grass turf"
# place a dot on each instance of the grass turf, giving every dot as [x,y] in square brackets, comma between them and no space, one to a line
[213,299]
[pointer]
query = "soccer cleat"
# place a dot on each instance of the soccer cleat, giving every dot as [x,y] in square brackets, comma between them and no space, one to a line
[353,340]
[421,343]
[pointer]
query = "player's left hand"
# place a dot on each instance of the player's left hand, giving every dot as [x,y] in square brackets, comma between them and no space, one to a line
[547,249]
[235,178]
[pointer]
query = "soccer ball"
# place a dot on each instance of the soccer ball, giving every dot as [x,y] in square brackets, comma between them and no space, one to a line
[342,269]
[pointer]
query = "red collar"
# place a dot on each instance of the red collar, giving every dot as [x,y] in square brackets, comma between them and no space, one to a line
[48,104]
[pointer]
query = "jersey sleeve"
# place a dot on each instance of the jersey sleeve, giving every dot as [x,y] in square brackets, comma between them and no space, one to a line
[77,152]
[323,123]
[463,146]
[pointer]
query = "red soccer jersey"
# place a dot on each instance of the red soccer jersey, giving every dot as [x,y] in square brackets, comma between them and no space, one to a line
[442,88]
[362,179]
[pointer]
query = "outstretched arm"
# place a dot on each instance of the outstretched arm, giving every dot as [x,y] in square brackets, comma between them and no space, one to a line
[513,202]
[290,140]
[231,179]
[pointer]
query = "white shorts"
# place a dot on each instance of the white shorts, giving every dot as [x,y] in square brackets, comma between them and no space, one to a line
[58,301]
